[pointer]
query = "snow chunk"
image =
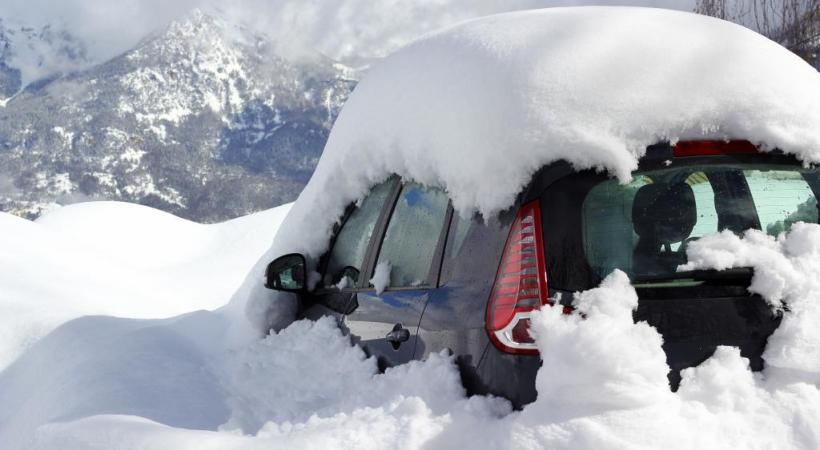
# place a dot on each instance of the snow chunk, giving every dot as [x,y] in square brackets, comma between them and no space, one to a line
[786,273]
[381,276]
[603,361]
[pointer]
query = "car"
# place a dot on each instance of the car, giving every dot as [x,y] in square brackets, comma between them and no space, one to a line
[406,276]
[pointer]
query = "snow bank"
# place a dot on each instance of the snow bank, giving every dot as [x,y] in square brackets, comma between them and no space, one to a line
[479,107]
[118,259]
[602,385]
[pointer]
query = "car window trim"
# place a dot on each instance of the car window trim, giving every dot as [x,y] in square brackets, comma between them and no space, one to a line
[434,277]
[321,267]
[370,255]
[377,240]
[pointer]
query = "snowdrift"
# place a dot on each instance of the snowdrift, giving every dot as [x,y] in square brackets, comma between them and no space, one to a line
[603,383]
[118,259]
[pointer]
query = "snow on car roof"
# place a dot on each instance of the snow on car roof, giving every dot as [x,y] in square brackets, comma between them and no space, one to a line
[479,107]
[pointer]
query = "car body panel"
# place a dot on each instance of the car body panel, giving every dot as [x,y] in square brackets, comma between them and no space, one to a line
[374,316]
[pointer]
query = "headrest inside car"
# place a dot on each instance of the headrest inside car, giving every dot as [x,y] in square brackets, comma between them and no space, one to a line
[664,213]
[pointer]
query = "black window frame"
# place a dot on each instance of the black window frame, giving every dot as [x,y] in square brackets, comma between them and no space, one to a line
[377,230]
[375,244]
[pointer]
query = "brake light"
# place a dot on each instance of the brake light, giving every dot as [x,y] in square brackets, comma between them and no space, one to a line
[520,285]
[713,148]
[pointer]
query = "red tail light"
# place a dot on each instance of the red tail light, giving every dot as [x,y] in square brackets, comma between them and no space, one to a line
[711,148]
[520,285]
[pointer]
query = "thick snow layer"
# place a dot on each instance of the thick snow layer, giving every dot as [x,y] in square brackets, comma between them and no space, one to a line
[602,385]
[101,382]
[118,259]
[478,108]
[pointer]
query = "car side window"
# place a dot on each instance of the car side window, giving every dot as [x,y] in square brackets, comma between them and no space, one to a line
[474,246]
[345,260]
[412,235]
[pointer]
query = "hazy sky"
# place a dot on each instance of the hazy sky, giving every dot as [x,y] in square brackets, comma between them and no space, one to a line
[346,30]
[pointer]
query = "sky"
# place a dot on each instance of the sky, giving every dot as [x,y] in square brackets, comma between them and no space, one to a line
[350,31]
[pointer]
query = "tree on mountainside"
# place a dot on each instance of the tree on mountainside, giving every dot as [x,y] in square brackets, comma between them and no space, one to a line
[793,23]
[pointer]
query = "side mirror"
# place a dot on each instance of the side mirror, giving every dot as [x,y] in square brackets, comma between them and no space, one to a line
[287,273]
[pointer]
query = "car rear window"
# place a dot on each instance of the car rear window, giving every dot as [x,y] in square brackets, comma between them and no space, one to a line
[594,225]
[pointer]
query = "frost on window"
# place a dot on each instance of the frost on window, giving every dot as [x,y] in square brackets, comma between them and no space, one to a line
[412,235]
[350,247]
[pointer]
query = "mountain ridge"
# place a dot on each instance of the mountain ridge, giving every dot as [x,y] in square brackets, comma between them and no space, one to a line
[203,119]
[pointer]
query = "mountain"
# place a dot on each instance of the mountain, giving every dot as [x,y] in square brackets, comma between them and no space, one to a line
[204,120]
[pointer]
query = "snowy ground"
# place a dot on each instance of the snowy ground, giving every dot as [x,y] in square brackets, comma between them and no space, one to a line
[76,288]
[140,381]
[115,337]
[118,259]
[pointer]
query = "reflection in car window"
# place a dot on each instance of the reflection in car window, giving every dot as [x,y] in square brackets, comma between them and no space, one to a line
[707,219]
[473,245]
[412,234]
[781,198]
[352,240]
[643,227]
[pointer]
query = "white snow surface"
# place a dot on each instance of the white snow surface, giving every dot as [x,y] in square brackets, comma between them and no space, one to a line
[118,259]
[381,276]
[106,383]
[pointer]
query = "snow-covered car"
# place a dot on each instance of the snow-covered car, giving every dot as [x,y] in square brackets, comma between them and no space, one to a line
[507,163]
[409,277]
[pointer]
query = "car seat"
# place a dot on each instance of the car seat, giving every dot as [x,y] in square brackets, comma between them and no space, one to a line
[662,214]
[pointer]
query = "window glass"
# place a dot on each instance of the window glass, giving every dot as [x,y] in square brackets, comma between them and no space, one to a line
[608,209]
[459,227]
[643,227]
[707,219]
[607,213]
[346,259]
[781,198]
[412,235]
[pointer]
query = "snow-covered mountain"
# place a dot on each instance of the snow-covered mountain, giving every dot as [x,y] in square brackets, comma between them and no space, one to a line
[204,120]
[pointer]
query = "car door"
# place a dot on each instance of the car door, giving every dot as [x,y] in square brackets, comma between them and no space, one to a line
[402,267]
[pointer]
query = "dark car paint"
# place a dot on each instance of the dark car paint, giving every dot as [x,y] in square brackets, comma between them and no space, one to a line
[376,315]
[692,327]
[449,314]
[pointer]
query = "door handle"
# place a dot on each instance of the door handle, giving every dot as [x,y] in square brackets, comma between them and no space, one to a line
[397,336]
